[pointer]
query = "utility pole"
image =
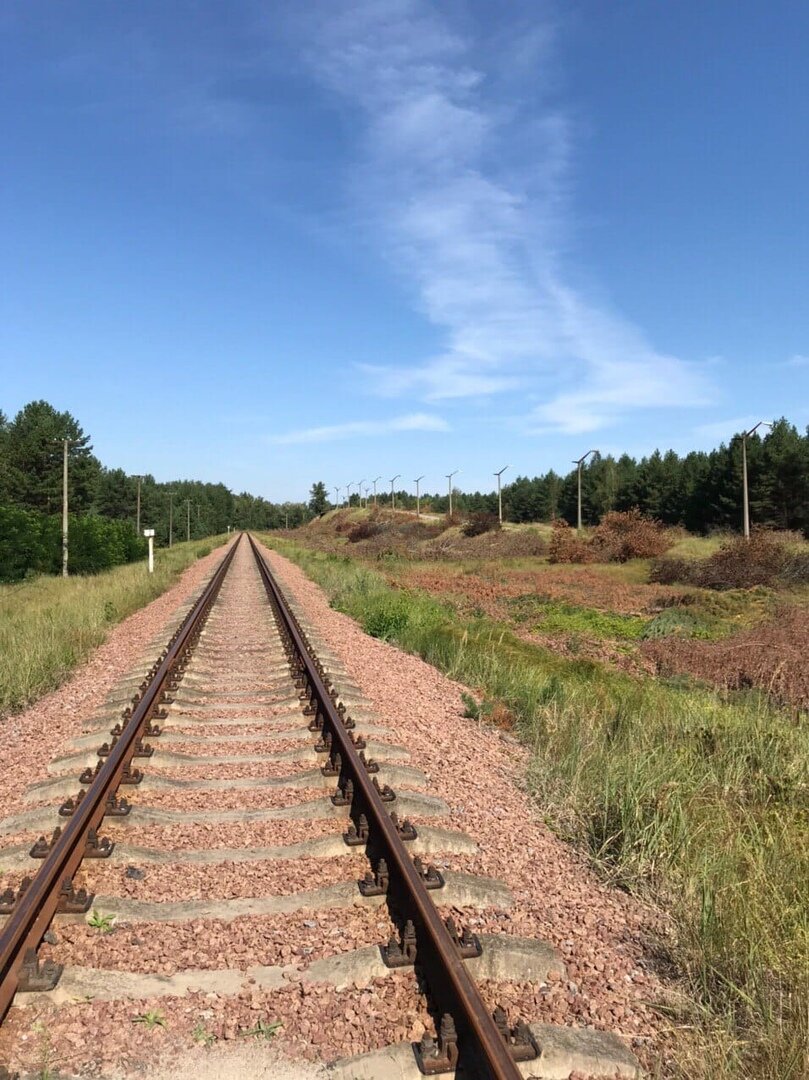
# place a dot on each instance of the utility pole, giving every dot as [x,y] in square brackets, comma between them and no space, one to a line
[171,518]
[378,478]
[578,462]
[417,481]
[65,447]
[66,444]
[745,436]
[187,519]
[449,484]
[500,493]
[137,511]
[393,480]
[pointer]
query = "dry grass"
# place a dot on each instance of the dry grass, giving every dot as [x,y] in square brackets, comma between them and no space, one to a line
[48,625]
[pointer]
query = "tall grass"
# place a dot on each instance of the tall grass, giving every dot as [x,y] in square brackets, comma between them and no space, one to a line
[693,797]
[48,625]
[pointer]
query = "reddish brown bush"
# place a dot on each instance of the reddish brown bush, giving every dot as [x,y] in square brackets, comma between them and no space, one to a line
[566,547]
[764,559]
[480,523]
[623,535]
[363,530]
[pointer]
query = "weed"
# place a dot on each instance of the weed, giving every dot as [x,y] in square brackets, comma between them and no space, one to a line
[476,710]
[105,924]
[262,1029]
[200,1034]
[151,1019]
[45,1052]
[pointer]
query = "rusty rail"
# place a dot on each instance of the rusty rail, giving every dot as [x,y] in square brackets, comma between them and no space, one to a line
[51,889]
[469,1038]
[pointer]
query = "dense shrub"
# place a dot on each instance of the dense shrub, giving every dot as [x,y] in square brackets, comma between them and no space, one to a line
[21,543]
[623,535]
[770,656]
[764,559]
[671,571]
[796,569]
[566,547]
[480,523]
[32,543]
[363,530]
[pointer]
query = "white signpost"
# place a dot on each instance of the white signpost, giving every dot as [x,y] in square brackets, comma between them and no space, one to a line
[149,534]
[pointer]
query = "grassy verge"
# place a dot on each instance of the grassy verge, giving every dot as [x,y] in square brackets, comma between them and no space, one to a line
[48,625]
[695,798]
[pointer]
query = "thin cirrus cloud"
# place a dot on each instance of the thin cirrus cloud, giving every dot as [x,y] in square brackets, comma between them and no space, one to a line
[466,191]
[360,428]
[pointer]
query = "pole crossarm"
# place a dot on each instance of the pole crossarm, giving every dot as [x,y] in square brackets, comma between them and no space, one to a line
[578,462]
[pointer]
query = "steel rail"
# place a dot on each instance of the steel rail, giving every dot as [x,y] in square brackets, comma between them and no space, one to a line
[482,1050]
[34,911]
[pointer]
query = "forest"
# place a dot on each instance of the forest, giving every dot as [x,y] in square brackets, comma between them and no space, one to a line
[701,491]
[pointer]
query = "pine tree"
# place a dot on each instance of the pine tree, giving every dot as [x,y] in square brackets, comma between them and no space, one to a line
[318,498]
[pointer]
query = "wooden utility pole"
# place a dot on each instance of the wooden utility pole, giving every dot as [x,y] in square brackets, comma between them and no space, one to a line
[578,462]
[65,445]
[745,496]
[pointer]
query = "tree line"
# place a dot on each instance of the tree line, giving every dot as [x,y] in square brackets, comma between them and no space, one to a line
[701,490]
[103,501]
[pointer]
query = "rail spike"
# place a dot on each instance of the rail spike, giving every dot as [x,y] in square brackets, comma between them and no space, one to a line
[439,1056]
[10,898]
[376,883]
[401,954]
[518,1039]
[37,976]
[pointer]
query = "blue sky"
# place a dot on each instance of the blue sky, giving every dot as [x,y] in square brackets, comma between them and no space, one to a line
[272,243]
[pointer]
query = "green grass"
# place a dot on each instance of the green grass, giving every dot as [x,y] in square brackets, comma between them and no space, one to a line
[698,547]
[696,799]
[48,625]
[557,617]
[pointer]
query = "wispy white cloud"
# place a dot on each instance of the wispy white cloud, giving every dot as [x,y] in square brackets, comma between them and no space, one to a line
[466,184]
[798,360]
[360,428]
[724,430]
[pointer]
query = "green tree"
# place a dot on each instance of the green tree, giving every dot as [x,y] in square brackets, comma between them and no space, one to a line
[318,498]
[33,454]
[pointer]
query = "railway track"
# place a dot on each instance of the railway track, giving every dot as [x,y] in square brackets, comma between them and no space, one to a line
[245,729]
